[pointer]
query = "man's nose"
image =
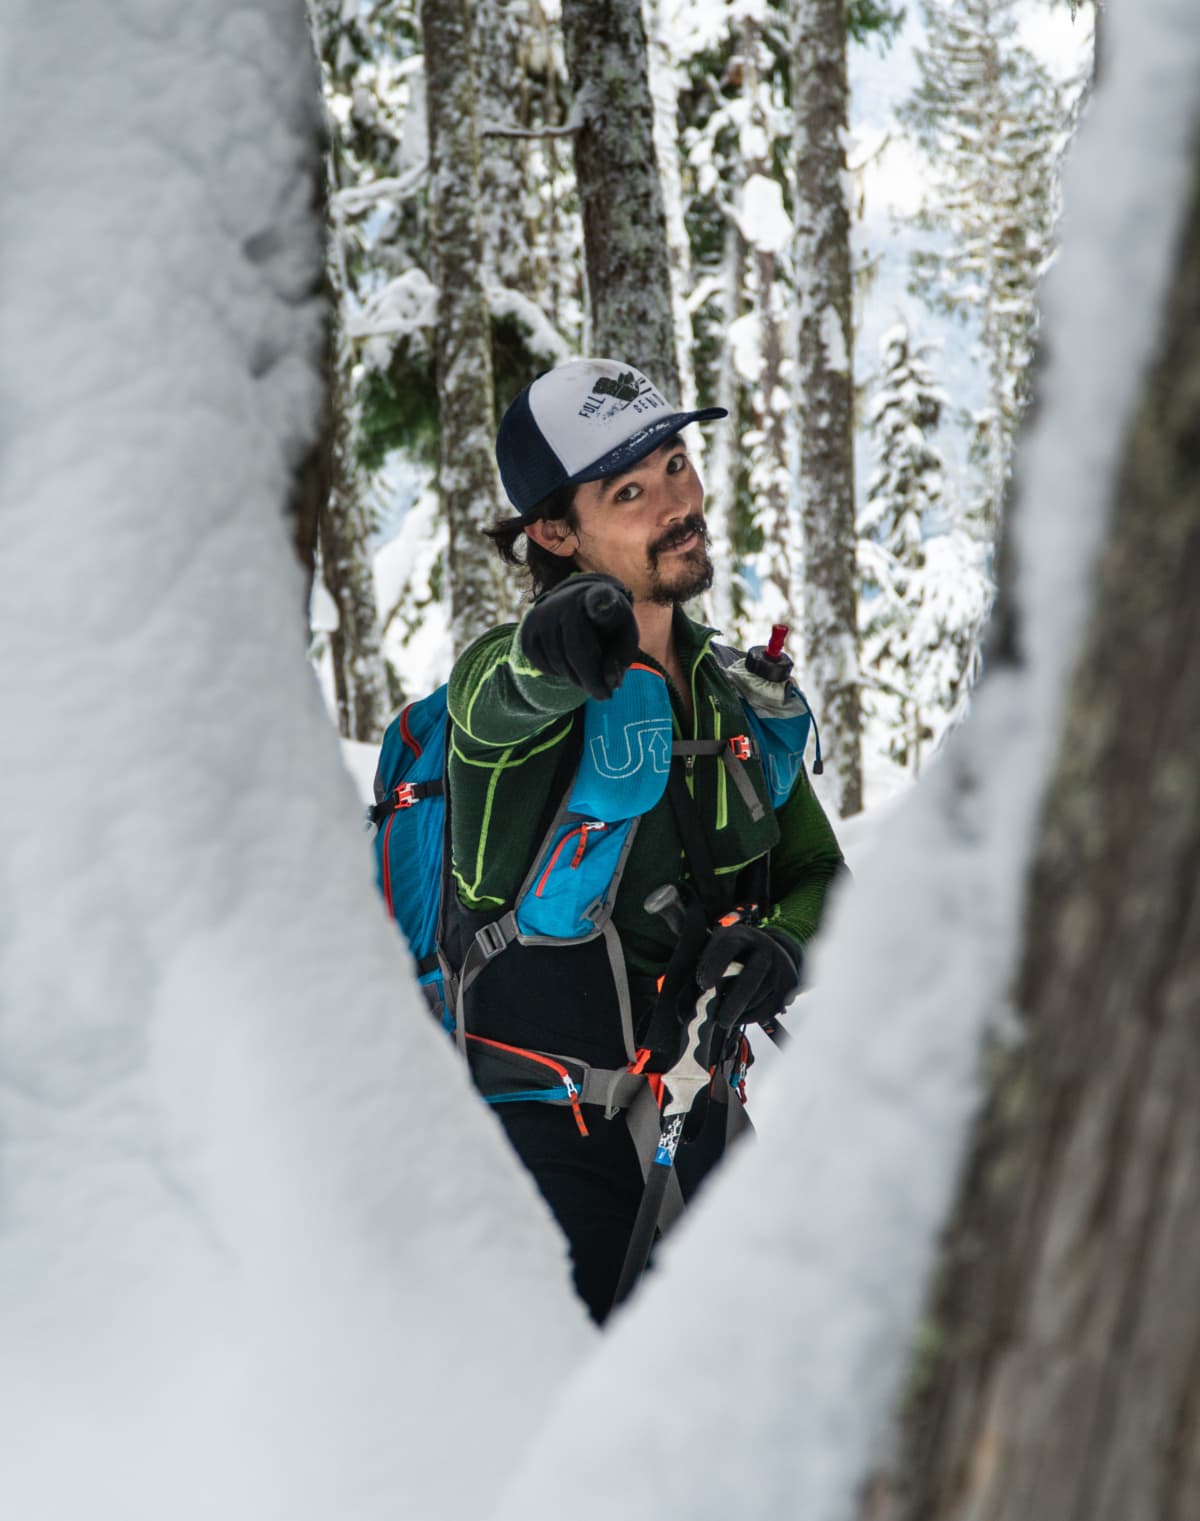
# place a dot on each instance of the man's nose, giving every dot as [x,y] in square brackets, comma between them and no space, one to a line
[681,497]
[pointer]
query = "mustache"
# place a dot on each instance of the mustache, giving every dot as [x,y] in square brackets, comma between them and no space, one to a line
[681,531]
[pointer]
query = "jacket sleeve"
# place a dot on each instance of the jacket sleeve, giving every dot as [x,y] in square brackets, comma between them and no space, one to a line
[803,865]
[497,699]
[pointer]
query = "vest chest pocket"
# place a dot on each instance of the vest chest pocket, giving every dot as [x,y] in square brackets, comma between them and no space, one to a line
[578,872]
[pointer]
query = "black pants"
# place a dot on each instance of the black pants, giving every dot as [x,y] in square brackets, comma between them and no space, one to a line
[593,1183]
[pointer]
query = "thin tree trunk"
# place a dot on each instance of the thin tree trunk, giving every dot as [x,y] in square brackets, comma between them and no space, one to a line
[468,481]
[343,531]
[1065,1384]
[664,89]
[771,481]
[825,394]
[723,460]
[502,82]
[616,168]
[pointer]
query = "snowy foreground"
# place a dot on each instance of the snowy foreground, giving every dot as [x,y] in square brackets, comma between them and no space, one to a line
[260,1253]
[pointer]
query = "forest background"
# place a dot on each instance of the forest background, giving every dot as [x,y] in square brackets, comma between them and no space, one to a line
[852,273]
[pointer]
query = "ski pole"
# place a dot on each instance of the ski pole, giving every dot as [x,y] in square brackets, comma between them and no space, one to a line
[685,1080]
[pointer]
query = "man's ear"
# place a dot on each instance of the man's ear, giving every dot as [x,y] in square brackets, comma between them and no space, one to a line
[554,535]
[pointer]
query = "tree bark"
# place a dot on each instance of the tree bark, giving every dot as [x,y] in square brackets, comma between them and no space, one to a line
[501,30]
[771,474]
[664,90]
[825,393]
[616,169]
[1064,1383]
[468,481]
[343,534]
[725,603]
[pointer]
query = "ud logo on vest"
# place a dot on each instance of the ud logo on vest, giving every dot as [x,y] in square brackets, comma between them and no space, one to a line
[645,739]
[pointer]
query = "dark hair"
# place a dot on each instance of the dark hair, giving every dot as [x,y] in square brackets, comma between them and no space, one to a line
[544,569]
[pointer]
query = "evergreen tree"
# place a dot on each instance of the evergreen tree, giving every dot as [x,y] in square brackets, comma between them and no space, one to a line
[468,480]
[736,132]
[529,220]
[384,300]
[666,77]
[620,193]
[344,519]
[824,391]
[925,594]
[992,124]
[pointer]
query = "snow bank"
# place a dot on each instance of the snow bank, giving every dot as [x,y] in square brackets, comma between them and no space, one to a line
[753,1375]
[260,1252]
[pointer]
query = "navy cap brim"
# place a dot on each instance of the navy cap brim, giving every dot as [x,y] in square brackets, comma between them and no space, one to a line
[640,444]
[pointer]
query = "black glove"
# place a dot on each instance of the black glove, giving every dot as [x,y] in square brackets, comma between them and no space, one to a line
[584,630]
[770,973]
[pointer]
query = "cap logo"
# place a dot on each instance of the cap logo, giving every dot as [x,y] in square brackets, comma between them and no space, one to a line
[611,396]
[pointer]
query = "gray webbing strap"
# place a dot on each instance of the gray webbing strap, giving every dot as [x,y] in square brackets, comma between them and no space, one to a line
[741,780]
[488,942]
[645,1126]
[614,1087]
[699,746]
[616,961]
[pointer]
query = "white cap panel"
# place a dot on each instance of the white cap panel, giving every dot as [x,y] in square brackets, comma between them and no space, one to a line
[588,407]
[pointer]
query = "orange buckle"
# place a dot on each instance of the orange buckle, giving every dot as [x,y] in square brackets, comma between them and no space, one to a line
[740,745]
[403,795]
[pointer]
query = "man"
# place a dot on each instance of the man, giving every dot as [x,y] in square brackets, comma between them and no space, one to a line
[610,507]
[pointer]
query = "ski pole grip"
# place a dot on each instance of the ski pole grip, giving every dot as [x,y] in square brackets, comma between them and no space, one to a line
[667,901]
[689,1074]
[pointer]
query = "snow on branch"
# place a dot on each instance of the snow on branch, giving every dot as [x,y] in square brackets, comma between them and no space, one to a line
[544,338]
[582,110]
[405,305]
[356,198]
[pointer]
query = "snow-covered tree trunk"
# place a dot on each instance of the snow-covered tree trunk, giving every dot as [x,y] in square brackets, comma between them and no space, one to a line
[1063,1368]
[501,84]
[664,92]
[468,481]
[632,313]
[825,393]
[764,227]
[344,541]
[723,457]
[344,530]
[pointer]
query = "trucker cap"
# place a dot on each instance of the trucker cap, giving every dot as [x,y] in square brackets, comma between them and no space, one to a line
[585,420]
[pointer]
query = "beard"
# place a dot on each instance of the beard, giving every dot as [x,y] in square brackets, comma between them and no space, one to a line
[682,576]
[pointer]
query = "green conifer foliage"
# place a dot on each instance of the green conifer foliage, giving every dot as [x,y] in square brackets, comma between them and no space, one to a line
[925,596]
[993,125]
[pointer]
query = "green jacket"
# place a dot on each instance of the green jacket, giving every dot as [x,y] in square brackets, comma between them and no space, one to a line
[509,726]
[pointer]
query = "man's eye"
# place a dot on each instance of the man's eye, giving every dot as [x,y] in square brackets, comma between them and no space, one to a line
[676,463]
[628,493]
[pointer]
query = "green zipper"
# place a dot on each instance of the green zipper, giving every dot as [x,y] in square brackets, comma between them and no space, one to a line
[722,779]
[696,706]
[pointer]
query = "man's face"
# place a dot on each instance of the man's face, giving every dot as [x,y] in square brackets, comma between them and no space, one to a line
[646,527]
